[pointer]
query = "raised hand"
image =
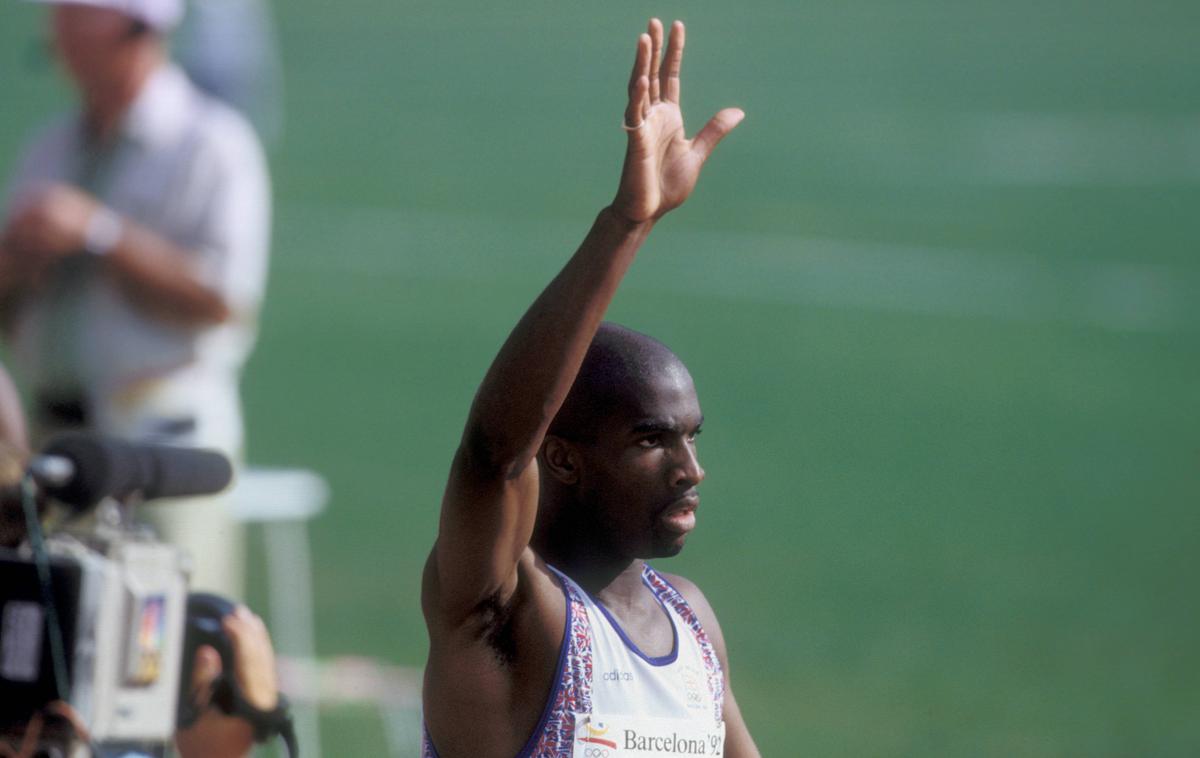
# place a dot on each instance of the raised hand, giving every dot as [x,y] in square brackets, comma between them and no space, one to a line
[661,163]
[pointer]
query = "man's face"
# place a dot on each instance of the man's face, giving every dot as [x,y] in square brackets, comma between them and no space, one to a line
[89,41]
[640,475]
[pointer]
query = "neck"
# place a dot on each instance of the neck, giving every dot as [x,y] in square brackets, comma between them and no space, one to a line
[587,561]
[618,578]
[105,104]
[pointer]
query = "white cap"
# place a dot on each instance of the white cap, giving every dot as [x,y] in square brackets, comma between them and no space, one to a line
[160,15]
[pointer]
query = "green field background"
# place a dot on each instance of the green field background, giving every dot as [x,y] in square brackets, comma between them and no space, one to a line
[938,292]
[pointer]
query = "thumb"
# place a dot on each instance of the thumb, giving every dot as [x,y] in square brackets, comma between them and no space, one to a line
[204,672]
[715,130]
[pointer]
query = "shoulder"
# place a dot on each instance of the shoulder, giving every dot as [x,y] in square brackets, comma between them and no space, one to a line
[227,159]
[229,140]
[192,138]
[691,593]
[700,606]
[221,132]
[224,124]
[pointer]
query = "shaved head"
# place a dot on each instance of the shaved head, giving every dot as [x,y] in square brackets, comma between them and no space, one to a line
[620,363]
[620,456]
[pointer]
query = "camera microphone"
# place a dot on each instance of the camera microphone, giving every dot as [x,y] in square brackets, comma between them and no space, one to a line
[80,469]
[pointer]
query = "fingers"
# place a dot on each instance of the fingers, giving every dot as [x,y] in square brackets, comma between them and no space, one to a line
[204,672]
[641,61]
[639,103]
[660,71]
[255,667]
[639,84]
[248,633]
[655,29]
[715,130]
[669,76]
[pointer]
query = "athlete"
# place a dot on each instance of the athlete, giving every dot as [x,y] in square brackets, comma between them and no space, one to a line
[549,634]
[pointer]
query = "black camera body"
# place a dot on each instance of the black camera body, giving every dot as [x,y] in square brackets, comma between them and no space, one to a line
[203,627]
[93,615]
[120,617]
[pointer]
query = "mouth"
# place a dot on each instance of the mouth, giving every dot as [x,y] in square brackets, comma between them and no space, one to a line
[680,516]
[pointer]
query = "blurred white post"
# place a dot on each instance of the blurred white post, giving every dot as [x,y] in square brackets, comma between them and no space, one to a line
[283,501]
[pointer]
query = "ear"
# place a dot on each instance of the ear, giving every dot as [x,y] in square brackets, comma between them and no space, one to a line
[560,459]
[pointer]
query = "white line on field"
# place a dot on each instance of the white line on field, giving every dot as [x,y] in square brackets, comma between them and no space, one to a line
[350,680]
[930,148]
[393,691]
[1113,295]
[1102,149]
[871,276]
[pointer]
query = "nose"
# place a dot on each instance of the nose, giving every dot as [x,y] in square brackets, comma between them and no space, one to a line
[687,471]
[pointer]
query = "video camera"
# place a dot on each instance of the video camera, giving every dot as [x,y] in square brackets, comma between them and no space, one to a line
[96,640]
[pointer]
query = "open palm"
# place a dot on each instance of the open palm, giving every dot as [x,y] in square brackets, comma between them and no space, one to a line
[661,163]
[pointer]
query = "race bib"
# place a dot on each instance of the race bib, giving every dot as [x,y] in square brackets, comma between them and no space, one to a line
[601,736]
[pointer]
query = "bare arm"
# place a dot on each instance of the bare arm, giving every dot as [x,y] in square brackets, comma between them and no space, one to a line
[490,502]
[738,742]
[158,275]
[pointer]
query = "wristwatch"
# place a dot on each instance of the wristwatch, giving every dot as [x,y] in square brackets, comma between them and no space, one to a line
[103,231]
[267,724]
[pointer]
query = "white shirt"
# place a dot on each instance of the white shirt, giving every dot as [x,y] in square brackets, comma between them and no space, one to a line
[190,169]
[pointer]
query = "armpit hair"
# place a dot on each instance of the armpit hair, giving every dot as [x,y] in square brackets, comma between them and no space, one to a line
[494,626]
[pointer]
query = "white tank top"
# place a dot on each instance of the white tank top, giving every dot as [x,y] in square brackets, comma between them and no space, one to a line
[611,700]
[644,705]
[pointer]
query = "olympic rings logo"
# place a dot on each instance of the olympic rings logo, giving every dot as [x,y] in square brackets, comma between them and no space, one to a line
[596,752]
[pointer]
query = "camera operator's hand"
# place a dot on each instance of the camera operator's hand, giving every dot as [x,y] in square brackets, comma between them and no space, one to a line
[214,734]
[255,658]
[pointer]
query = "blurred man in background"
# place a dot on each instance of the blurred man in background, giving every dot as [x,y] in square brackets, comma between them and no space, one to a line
[133,258]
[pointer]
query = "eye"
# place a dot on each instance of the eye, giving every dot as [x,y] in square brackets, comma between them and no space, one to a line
[653,440]
[692,437]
